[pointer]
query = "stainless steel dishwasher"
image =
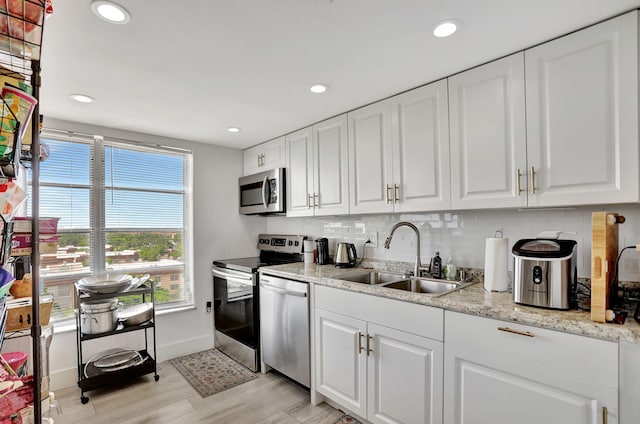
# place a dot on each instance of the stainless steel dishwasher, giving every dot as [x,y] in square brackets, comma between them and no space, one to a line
[284,327]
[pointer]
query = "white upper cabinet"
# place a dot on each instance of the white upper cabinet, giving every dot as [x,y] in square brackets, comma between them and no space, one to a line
[331,167]
[264,156]
[488,135]
[317,179]
[420,134]
[399,153]
[370,159]
[582,116]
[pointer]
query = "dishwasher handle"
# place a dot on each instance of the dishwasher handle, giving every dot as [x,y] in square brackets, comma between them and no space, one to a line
[282,291]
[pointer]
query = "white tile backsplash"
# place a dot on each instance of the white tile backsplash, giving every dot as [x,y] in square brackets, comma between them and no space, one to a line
[461,234]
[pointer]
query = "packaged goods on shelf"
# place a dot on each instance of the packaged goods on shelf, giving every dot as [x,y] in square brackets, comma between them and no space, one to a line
[21,244]
[21,104]
[19,312]
[22,224]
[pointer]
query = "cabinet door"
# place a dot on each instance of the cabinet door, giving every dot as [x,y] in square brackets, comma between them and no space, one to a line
[404,377]
[505,372]
[370,159]
[484,394]
[340,363]
[582,115]
[274,152]
[251,160]
[488,145]
[331,178]
[420,128]
[299,173]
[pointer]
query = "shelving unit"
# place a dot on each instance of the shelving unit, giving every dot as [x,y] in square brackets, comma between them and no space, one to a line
[20,45]
[90,377]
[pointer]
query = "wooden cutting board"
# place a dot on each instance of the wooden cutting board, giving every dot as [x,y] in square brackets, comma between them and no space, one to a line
[604,252]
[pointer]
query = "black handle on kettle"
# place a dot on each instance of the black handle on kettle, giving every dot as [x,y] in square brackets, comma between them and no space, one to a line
[352,250]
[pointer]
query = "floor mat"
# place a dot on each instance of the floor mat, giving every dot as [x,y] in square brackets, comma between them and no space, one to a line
[211,371]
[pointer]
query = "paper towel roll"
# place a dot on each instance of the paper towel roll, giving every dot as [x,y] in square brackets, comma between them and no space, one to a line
[496,255]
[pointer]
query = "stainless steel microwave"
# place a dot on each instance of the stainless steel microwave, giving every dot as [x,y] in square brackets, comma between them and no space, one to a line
[263,193]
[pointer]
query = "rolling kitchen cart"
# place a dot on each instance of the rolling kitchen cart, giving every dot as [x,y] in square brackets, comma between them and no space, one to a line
[91,377]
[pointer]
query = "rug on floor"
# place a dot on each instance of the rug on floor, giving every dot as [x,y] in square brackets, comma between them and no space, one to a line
[347,419]
[211,371]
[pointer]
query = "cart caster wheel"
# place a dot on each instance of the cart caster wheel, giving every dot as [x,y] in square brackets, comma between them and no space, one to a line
[84,400]
[156,377]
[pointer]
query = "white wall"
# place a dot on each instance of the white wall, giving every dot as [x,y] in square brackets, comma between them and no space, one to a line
[461,234]
[219,232]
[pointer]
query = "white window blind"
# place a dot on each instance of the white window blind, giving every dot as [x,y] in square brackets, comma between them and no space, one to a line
[123,207]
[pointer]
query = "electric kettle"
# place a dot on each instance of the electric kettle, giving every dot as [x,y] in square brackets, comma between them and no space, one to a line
[345,255]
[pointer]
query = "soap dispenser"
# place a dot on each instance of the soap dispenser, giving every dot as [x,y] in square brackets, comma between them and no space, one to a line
[436,266]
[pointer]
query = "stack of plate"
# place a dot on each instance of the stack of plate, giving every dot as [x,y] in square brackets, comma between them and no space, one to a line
[105,283]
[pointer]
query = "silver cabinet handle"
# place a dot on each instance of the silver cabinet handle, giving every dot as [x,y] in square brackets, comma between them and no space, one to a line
[282,291]
[388,196]
[315,204]
[309,197]
[518,186]
[369,350]
[518,332]
[360,348]
[396,199]
[533,180]
[259,163]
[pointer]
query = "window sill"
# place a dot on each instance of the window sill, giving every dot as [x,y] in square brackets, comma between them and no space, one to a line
[69,326]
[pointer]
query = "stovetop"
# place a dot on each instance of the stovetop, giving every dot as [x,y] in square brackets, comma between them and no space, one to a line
[275,250]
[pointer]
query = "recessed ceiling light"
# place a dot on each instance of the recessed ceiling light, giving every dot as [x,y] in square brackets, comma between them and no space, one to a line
[233,129]
[318,88]
[110,11]
[82,98]
[446,28]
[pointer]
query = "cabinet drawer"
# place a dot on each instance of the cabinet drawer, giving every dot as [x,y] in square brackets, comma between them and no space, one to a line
[516,347]
[410,317]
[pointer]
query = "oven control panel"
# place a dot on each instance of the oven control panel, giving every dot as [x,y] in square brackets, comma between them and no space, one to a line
[280,243]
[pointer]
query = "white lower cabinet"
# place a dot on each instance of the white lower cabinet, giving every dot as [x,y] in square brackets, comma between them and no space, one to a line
[381,373]
[498,372]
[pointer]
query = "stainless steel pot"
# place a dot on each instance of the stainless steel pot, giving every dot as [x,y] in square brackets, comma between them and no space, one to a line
[97,317]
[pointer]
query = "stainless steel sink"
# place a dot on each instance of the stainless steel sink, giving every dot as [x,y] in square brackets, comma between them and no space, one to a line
[425,286]
[371,277]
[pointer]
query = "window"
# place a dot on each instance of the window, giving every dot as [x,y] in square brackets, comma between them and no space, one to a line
[124,207]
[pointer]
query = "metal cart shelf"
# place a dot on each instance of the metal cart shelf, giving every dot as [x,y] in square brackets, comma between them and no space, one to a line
[89,376]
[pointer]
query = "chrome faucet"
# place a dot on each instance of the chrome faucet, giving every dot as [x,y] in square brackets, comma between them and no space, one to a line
[418,265]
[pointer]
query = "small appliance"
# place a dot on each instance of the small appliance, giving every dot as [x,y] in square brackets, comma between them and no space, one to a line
[545,273]
[323,251]
[345,255]
[262,193]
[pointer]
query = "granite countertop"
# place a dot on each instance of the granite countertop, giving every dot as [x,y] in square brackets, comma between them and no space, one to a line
[471,300]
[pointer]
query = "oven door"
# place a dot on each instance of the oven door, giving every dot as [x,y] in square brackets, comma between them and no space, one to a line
[236,305]
[262,193]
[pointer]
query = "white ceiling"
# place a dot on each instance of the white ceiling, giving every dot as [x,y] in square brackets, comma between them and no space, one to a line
[191,69]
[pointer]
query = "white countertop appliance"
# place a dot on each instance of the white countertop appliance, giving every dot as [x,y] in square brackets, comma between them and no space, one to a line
[545,273]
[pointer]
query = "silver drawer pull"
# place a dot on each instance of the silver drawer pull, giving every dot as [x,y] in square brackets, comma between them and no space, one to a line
[512,331]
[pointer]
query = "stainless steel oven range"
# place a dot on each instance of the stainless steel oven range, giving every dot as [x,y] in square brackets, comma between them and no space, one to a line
[236,296]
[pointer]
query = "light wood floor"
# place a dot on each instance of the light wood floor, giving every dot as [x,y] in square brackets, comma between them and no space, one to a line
[269,399]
